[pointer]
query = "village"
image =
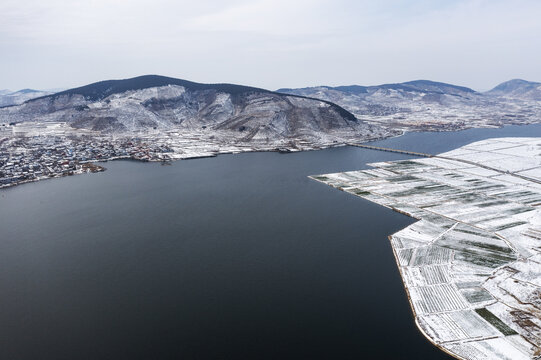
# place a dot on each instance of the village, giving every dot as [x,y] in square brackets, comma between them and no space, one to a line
[32,151]
[30,159]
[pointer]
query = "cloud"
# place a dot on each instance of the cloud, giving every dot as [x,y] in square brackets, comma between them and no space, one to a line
[273,17]
[269,43]
[97,21]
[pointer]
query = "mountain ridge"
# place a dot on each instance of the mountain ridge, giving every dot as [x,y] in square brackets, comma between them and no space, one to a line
[430,105]
[160,102]
[414,85]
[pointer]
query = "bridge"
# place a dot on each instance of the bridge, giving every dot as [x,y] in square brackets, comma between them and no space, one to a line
[370,147]
[392,150]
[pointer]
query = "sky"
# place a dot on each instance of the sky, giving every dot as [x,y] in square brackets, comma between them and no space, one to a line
[269,43]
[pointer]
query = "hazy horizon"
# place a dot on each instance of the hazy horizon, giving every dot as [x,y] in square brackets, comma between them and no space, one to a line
[58,89]
[269,44]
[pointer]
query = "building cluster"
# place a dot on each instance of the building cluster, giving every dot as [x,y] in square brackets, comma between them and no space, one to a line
[24,159]
[31,150]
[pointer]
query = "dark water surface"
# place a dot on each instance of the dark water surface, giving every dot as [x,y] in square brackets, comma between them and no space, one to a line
[234,257]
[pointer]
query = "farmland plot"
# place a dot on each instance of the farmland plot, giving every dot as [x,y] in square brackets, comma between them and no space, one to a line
[471,265]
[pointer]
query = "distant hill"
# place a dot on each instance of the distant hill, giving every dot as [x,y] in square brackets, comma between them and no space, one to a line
[518,88]
[8,98]
[388,99]
[427,105]
[419,86]
[437,87]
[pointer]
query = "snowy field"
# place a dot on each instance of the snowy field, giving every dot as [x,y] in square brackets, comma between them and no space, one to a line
[472,264]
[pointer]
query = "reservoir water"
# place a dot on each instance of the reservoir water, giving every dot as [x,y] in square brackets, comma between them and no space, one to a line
[233,257]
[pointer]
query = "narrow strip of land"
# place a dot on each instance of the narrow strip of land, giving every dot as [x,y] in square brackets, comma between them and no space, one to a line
[414,153]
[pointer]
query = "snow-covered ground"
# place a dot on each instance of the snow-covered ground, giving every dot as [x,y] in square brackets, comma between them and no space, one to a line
[31,150]
[472,264]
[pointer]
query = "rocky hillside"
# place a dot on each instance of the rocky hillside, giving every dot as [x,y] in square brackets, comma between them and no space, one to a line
[162,103]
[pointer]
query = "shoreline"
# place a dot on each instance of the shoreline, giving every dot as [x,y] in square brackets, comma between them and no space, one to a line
[212,154]
[279,149]
[403,281]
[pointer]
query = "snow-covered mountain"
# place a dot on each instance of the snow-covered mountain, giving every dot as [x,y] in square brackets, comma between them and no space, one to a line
[428,105]
[315,114]
[162,103]
[8,97]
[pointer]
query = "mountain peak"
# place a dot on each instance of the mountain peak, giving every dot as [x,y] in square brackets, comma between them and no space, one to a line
[102,89]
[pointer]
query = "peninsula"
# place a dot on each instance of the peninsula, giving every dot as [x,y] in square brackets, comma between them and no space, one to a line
[471,265]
